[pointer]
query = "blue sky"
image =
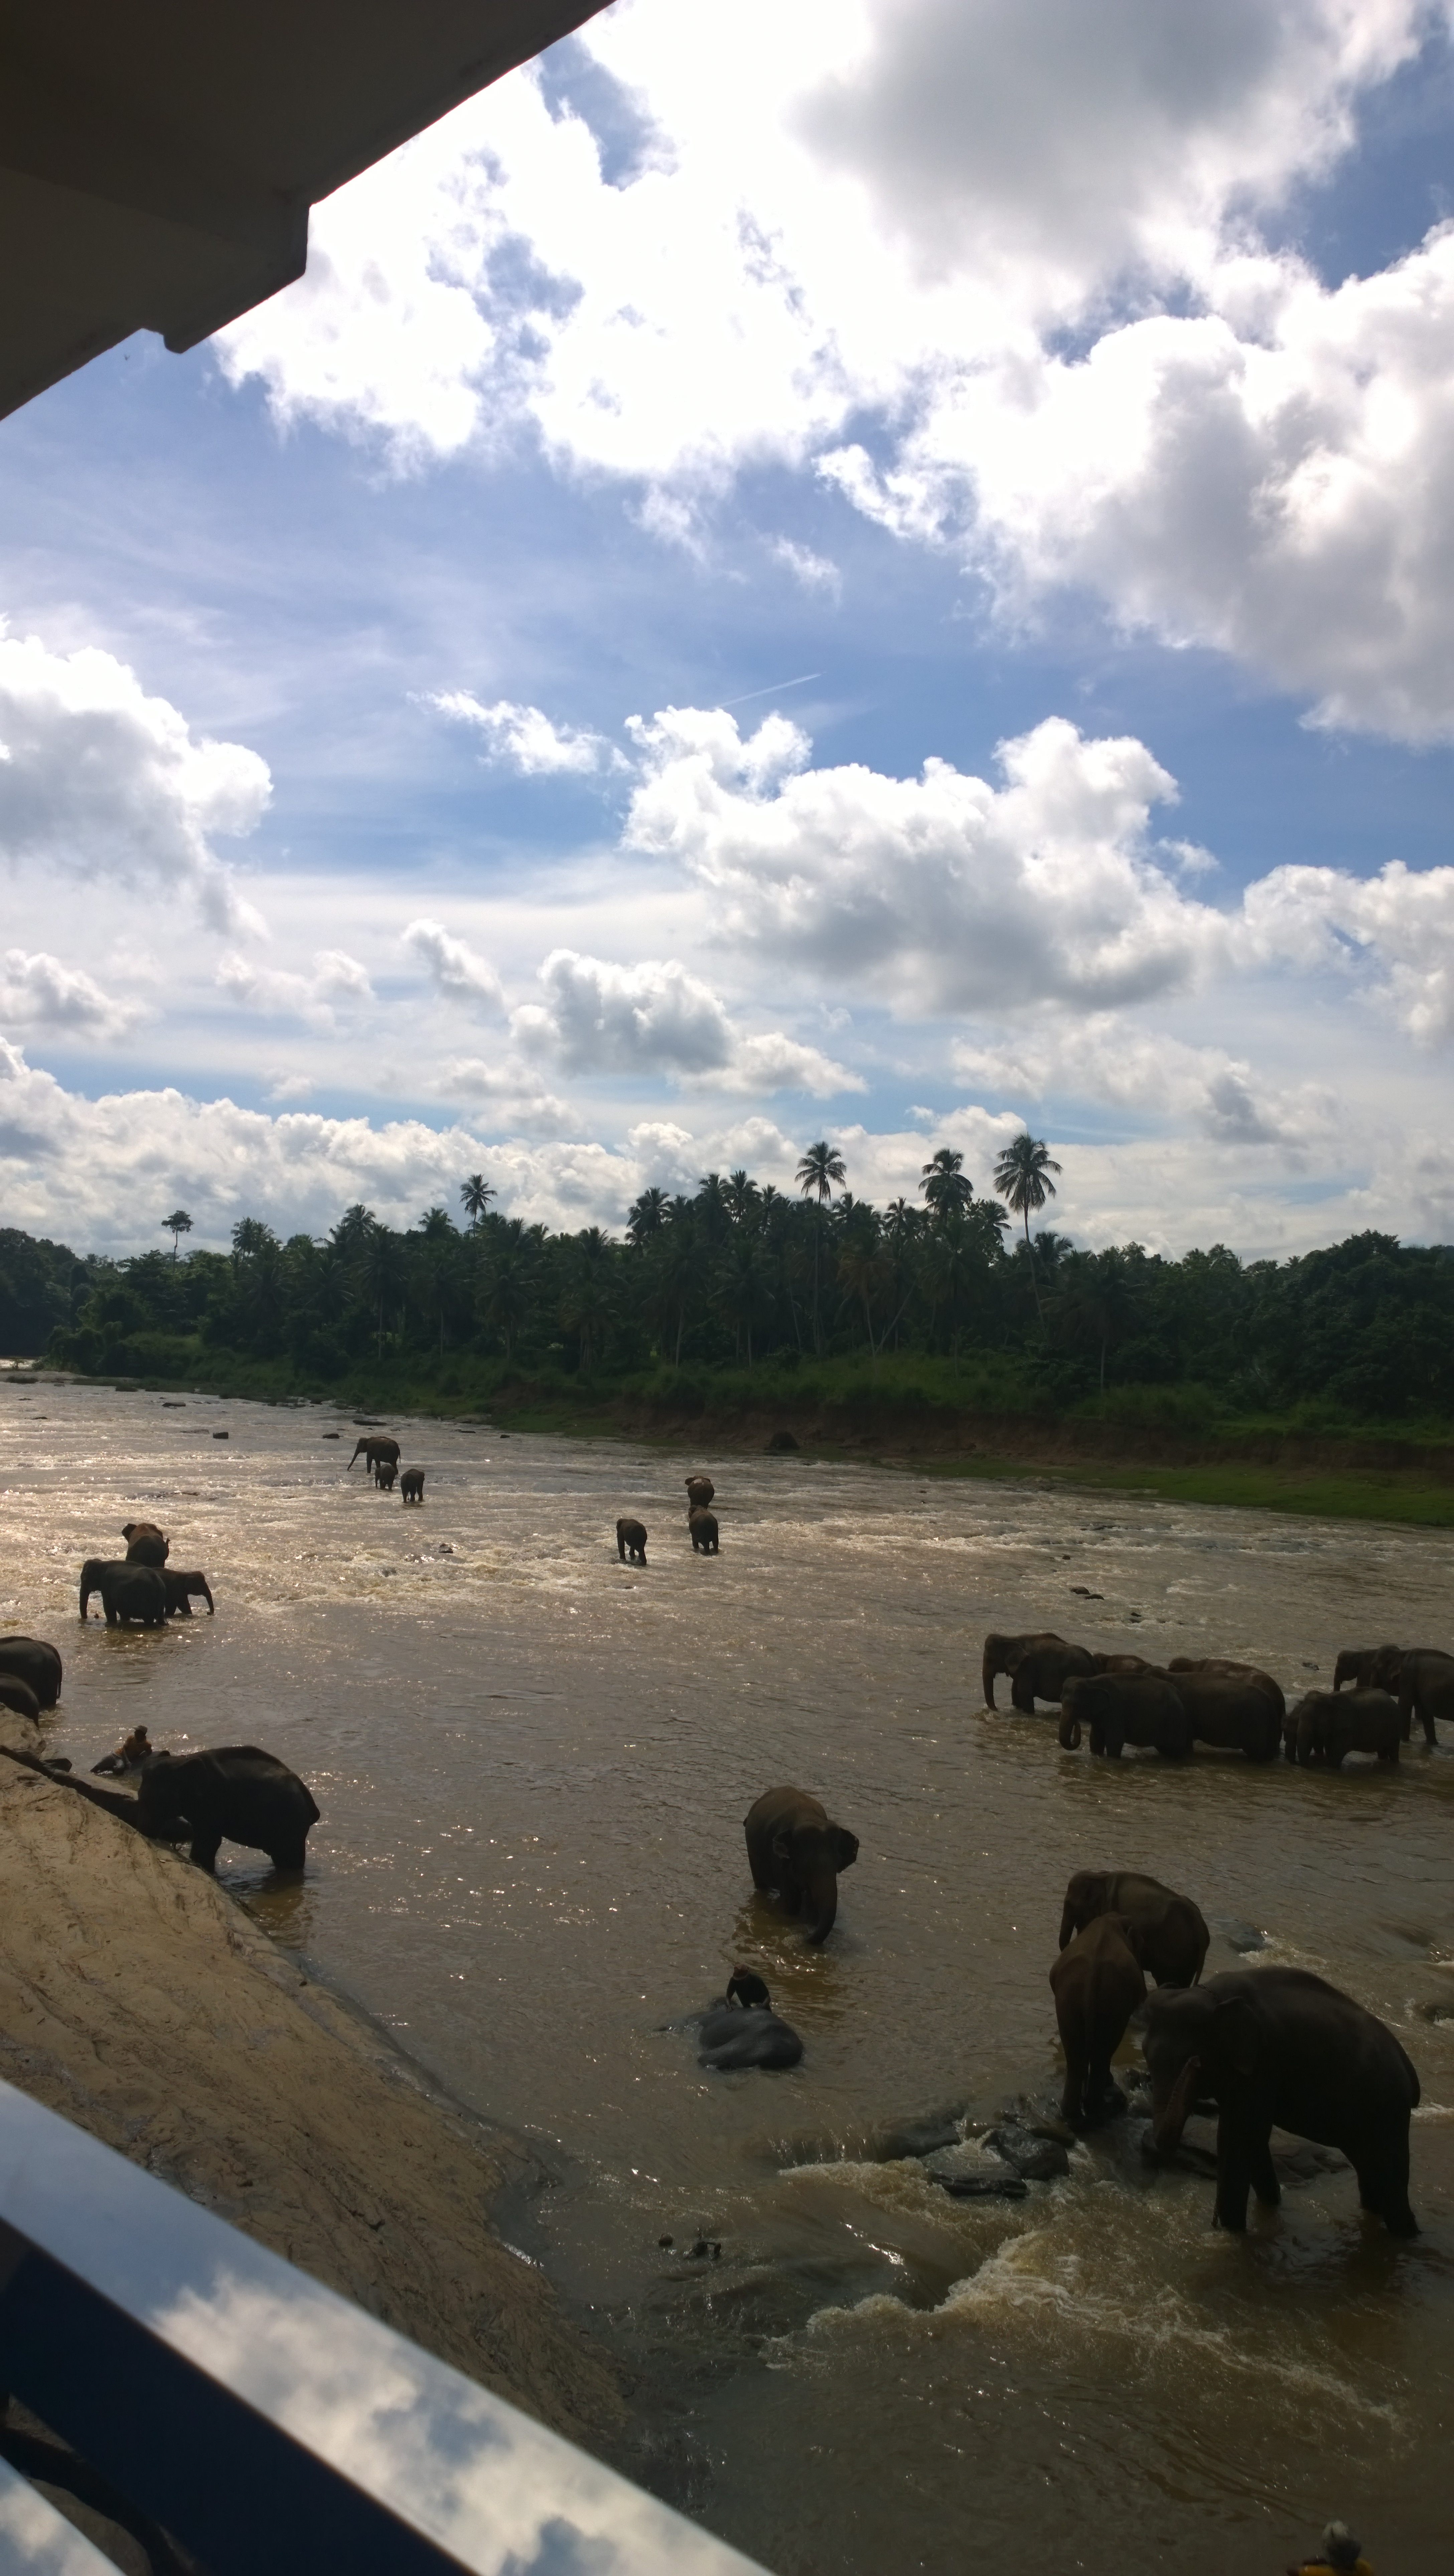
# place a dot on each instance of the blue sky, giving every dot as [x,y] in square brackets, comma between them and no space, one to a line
[475,714]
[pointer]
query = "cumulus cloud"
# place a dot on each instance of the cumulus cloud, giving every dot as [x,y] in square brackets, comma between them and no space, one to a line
[39,992]
[656,1018]
[943,892]
[99,780]
[1018,234]
[524,739]
[512,1093]
[1398,924]
[1107,1059]
[338,983]
[456,971]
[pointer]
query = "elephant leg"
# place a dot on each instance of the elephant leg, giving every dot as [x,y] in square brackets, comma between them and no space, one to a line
[1426,1720]
[1104,2097]
[1072,2100]
[1235,2157]
[205,1846]
[289,1855]
[1383,2187]
[1264,2177]
[1022,1696]
[792,1897]
[760,1877]
[183,1609]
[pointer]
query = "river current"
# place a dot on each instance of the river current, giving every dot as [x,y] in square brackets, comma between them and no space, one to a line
[533,1763]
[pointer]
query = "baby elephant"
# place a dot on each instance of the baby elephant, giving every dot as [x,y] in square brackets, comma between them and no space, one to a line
[700,1491]
[385,1470]
[792,1846]
[741,2029]
[1327,1726]
[1097,1984]
[631,1541]
[180,1588]
[411,1484]
[703,1526]
[18,1695]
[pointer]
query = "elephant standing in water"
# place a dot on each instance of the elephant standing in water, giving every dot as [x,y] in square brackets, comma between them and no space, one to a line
[371,1451]
[705,1535]
[1097,1983]
[180,1587]
[411,1484]
[384,1474]
[1278,2048]
[1172,1937]
[741,2029]
[127,1591]
[791,1846]
[1125,1708]
[700,1492]
[237,1795]
[145,1543]
[1039,1666]
[631,1541]
[1326,1726]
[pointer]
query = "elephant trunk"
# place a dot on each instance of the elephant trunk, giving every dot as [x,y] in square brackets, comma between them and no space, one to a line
[1070,1739]
[1171,2119]
[822,1897]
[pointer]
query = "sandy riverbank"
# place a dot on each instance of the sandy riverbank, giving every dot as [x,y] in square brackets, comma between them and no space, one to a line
[139,2000]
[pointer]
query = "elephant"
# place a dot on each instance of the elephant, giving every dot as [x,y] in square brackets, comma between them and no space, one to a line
[127,1591]
[145,1543]
[1123,1664]
[741,2029]
[1220,1668]
[700,1492]
[411,1485]
[385,1471]
[372,1451]
[703,1526]
[180,1588]
[631,1541]
[1277,2047]
[18,1696]
[137,1749]
[1231,1714]
[1097,1983]
[1425,1686]
[33,1660]
[1039,1667]
[237,1795]
[1368,1667]
[1326,1726]
[791,1846]
[1172,1936]
[1125,1708]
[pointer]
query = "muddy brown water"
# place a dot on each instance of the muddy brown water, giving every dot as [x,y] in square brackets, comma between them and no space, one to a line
[533,1764]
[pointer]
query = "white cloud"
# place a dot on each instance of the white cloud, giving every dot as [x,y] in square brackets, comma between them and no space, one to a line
[456,971]
[656,1018]
[99,780]
[512,1092]
[814,571]
[1400,923]
[39,992]
[1107,1059]
[338,982]
[942,892]
[524,739]
[898,209]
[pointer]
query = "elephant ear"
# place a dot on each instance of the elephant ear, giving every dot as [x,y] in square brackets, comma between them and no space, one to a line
[781,1845]
[843,1846]
[1238,2034]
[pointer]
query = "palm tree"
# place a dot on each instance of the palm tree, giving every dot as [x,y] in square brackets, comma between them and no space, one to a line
[1022,1177]
[176,1225]
[506,1296]
[476,1194]
[675,1279]
[380,1268]
[821,1170]
[746,1288]
[944,1184]
[742,1196]
[647,1215]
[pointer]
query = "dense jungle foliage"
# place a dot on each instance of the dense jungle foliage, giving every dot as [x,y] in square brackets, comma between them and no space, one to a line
[738,1284]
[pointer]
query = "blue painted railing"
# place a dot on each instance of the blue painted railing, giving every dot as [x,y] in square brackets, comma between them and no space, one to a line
[269,2426]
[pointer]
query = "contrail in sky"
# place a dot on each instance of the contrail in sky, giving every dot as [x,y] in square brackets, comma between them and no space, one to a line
[800,682]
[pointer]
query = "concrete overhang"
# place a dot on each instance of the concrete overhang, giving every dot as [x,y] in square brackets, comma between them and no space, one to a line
[158,160]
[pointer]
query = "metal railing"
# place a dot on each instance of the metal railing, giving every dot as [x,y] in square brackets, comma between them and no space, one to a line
[268,2425]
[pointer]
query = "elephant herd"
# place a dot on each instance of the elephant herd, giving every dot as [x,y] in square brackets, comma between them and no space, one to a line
[1265,2048]
[141,1586]
[702,1525]
[1120,1699]
[381,1461]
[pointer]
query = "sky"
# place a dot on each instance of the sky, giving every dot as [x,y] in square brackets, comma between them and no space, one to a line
[882,570]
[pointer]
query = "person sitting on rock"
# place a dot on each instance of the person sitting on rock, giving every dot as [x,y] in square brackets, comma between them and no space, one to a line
[1340,2554]
[128,1756]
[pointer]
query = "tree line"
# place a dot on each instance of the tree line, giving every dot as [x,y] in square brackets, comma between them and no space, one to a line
[738,1276]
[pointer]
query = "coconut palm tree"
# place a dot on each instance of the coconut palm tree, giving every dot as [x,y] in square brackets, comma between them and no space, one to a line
[476,1194]
[821,1171]
[945,1185]
[176,1225]
[743,1198]
[1022,1177]
[647,1215]
[746,1288]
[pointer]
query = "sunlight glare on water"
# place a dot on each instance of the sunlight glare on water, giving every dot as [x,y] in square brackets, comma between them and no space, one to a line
[533,1764]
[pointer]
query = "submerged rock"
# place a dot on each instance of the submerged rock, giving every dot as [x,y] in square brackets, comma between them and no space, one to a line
[1038,2159]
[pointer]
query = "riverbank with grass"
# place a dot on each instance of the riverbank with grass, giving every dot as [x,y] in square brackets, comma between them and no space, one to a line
[914,1410]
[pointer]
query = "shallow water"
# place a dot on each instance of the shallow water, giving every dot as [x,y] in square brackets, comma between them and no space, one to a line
[533,1763]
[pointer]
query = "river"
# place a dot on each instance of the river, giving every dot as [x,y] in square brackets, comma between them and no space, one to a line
[533,1764]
